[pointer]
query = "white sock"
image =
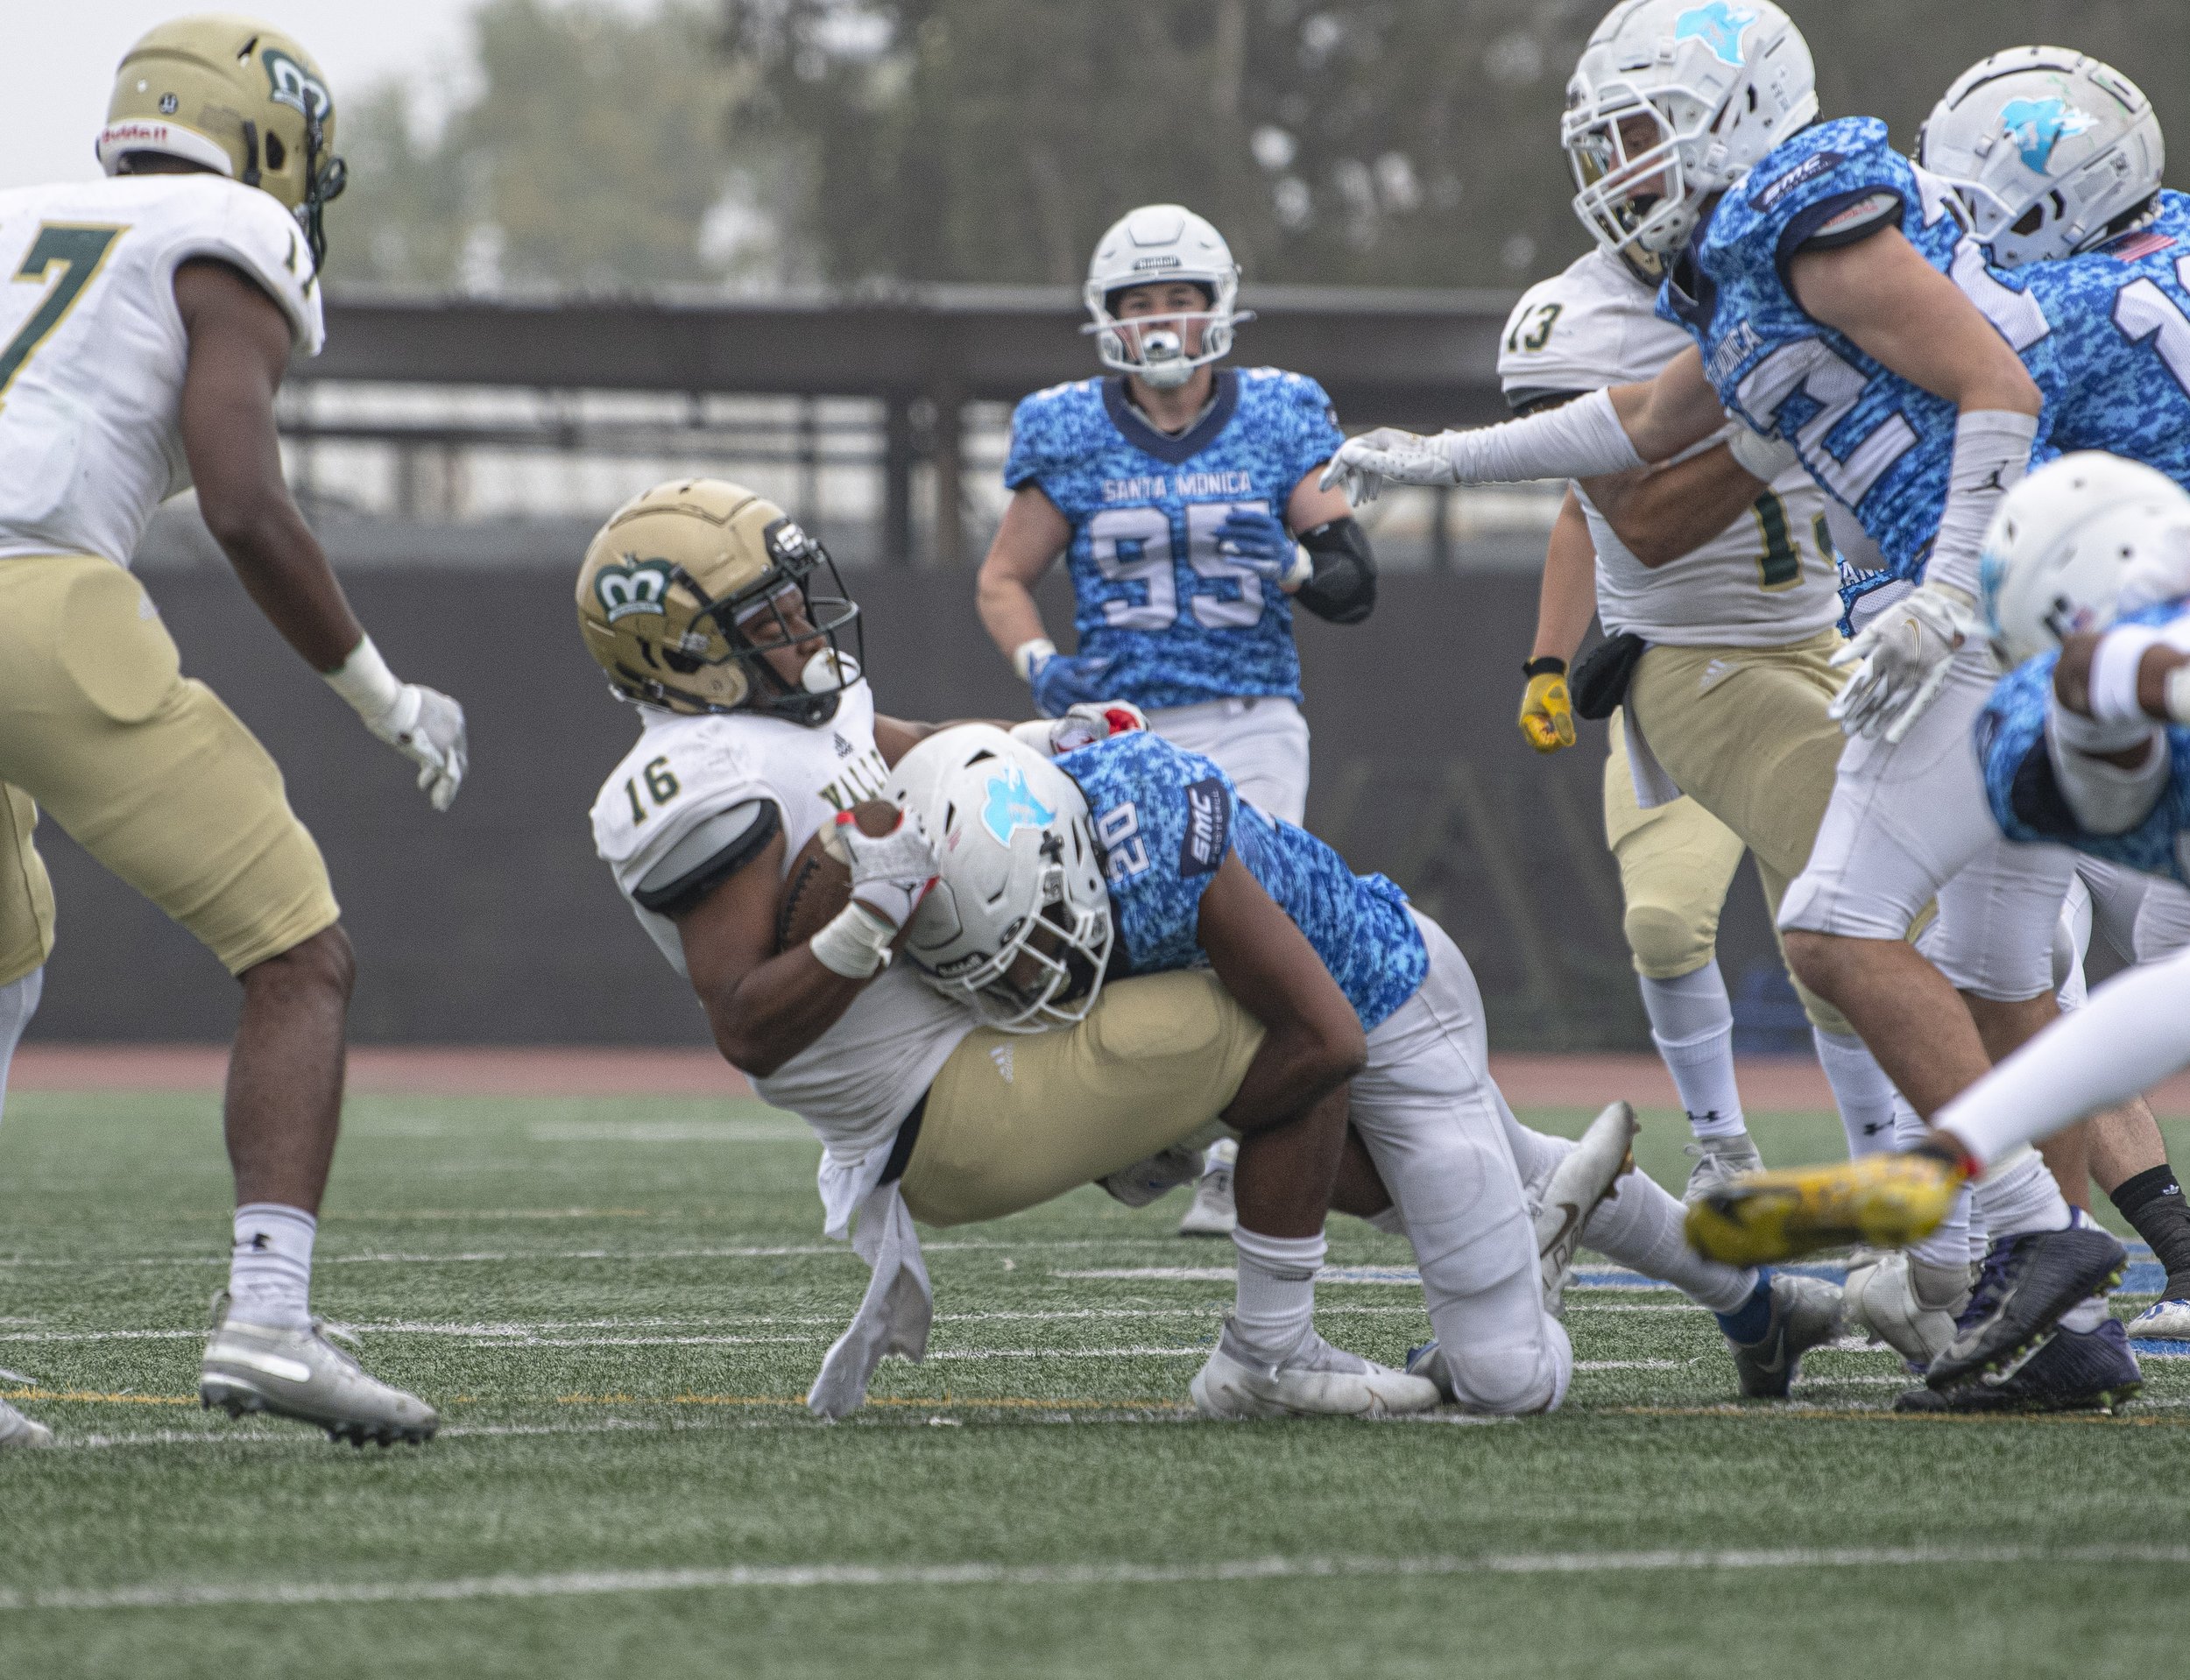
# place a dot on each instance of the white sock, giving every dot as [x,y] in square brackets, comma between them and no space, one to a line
[1222,1154]
[1947,1248]
[2133,1034]
[1861,1090]
[1691,1023]
[270,1267]
[18,1002]
[1640,1227]
[2021,1194]
[1276,1300]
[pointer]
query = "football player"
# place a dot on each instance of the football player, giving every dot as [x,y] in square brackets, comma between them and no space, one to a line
[1183,497]
[1491,1208]
[1818,286]
[161,308]
[1734,685]
[699,599]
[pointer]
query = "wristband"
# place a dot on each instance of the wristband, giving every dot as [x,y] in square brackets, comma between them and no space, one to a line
[2113,668]
[1299,573]
[1030,654]
[364,681]
[2177,691]
[854,942]
[1547,666]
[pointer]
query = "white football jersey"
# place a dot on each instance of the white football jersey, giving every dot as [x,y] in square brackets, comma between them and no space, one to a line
[92,350]
[857,1082]
[1768,579]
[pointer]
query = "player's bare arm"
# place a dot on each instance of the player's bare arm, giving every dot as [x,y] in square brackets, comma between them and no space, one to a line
[1674,509]
[763,1005]
[1567,601]
[1899,309]
[239,349]
[1027,542]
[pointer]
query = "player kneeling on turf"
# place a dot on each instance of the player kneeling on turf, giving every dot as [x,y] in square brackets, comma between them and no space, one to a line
[762,755]
[1196,874]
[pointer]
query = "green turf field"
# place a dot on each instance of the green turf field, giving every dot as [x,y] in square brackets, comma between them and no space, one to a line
[617,1305]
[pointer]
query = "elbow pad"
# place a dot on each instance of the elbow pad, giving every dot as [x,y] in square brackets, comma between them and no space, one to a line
[1343,588]
[2103,797]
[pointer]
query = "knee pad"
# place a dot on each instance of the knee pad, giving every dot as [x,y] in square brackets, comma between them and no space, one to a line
[1514,1379]
[1667,944]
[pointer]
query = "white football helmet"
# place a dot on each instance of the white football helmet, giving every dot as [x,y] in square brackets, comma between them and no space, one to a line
[2048,150]
[1672,101]
[2076,544]
[1150,246]
[1018,927]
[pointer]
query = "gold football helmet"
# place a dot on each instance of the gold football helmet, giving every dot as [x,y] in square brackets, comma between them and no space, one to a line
[689,587]
[238,97]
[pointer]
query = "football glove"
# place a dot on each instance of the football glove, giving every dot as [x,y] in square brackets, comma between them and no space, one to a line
[1363,464]
[1061,681]
[1260,542]
[1899,661]
[1082,725]
[424,725]
[891,873]
[1547,715]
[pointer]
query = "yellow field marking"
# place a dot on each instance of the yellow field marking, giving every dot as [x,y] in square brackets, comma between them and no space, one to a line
[93,1397]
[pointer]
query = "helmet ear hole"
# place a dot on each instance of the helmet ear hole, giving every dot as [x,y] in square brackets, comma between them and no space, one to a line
[277,154]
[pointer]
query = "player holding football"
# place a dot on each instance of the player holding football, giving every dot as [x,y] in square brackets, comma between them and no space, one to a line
[142,357]
[1445,1162]
[758,731]
[1818,291]
[1175,492]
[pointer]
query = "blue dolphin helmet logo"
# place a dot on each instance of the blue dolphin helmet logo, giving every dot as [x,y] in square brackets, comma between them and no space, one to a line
[1718,26]
[2036,126]
[1012,807]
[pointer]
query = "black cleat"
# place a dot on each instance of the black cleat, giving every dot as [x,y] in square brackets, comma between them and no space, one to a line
[2072,1371]
[2027,1283]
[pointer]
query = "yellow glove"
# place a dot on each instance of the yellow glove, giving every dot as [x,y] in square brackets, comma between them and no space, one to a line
[1547,716]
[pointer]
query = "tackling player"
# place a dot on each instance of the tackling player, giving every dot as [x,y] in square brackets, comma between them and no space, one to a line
[697,599]
[1175,492]
[1725,624]
[1469,1182]
[155,313]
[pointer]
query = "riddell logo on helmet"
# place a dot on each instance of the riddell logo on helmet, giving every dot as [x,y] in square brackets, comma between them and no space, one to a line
[1142,264]
[638,586]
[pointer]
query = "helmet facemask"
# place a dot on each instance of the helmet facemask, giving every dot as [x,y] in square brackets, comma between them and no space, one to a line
[757,620]
[323,184]
[1632,192]
[1049,969]
[1153,347]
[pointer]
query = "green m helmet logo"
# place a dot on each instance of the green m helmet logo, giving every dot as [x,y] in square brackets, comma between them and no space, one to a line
[291,84]
[637,586]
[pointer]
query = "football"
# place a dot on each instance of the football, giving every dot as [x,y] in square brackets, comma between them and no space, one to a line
[818,884]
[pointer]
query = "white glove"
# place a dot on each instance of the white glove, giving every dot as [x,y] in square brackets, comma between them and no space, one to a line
[422,723]
[1364,463]
[1900,661]
[891,873]
[1082,725]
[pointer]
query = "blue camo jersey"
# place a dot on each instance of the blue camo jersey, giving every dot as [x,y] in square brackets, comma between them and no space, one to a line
[1877,443]
[1183,623]
[2026,795]
[1166,816]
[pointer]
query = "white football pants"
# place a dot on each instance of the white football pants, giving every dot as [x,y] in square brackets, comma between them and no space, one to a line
[1261,741]
[1458,1165]
[1910,823]
[2146,918]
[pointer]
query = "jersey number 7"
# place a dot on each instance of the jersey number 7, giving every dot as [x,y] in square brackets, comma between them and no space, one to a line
[80,250]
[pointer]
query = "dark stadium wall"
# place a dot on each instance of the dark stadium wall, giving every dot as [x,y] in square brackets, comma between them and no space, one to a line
[496,923]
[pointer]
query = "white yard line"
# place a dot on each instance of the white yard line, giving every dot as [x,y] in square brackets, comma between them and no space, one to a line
[843,1577]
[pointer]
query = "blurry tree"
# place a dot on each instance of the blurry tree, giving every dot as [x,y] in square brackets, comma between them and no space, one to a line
[595,151]
[1385,142]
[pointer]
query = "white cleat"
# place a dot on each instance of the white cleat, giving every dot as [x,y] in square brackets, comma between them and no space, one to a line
[1881,1301]
[1718,1160]
[2163,1321]
[17,1430]
[299,1373]
[1154,1178]
[1213,1212]
[1316,1379]
[1581,1181]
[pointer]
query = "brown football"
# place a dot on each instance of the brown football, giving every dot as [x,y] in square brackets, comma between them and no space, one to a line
[819,882]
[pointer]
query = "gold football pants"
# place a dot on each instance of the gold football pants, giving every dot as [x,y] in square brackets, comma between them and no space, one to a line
[26,897]
[1016,1119]
[145,769]
[1676,862]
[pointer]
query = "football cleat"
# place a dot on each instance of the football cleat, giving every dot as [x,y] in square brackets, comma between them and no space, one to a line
[301,1373]
[2163,1321]
[1805,1314]
[1583,1179]
[1314,1380]
[1720,1161]
[2074,1371]
[2028,1282]
[1886,1201]
[1882,1302]
[17,1430]
[1153,1179]
[1212,1212]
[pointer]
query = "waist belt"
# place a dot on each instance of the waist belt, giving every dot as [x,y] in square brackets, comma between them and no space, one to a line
[908,1135]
